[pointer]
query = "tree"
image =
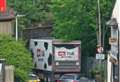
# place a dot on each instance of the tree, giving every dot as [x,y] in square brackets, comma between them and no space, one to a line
[16,54]
[35,10]
[77,20]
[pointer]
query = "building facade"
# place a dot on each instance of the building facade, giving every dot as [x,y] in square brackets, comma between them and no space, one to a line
[114,23]
[6,23]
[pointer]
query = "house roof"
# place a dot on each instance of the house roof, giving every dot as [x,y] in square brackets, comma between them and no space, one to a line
[6,18]
[41,27]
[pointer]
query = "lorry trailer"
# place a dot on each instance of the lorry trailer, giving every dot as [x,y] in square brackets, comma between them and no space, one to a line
[53,58]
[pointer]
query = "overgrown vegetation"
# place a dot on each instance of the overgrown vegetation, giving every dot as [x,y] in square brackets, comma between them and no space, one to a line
[15,53]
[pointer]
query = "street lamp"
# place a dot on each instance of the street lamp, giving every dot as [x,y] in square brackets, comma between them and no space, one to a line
[114,25]
[16,27]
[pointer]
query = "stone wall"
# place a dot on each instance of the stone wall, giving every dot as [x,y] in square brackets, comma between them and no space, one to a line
[9,73]
[38,32]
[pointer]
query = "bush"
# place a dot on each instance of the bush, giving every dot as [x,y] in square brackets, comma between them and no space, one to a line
[16,54]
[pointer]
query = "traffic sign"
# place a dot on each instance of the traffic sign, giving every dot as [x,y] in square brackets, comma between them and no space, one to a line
[100,49]
[100,56]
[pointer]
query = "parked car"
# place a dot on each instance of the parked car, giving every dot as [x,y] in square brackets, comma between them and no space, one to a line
[33,78]
[73,78]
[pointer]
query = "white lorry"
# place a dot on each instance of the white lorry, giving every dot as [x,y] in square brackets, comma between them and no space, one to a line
[52,58]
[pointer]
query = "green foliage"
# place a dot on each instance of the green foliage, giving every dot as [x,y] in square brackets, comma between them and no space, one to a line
[16,54]
[77,20]
[35,10]
[98,70]
[73,20]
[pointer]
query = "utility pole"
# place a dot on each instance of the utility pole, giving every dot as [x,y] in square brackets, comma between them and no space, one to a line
[99,23]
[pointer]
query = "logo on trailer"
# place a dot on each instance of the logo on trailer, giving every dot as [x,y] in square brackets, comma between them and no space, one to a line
[40,53]
[61,54]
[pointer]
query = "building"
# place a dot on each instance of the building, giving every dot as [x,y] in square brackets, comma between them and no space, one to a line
[6,22]
[114,23]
